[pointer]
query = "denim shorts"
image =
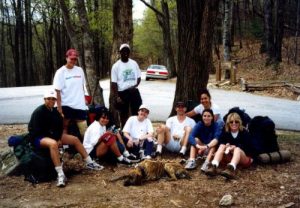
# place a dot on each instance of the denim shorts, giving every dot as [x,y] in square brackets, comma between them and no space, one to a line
[74,114]
[173,146]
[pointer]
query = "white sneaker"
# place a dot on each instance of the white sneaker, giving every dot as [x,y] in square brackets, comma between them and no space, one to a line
[204,166]
[61,180]
[146,157]
[191,164]
[126,153]
[94,166]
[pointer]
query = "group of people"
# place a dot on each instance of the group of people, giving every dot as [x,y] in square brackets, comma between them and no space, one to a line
[209,138]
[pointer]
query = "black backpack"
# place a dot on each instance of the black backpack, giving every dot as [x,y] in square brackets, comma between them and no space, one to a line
[244,116]
[35,165]
[262,135]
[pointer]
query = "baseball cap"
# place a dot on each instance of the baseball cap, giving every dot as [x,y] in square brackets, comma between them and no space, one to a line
[72,53]
[50,93]
[180,103]
[144,107]
[124,45]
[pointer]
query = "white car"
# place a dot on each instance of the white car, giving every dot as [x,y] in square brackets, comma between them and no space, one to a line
[157,72]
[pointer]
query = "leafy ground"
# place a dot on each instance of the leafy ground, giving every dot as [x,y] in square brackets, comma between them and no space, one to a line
[276,185]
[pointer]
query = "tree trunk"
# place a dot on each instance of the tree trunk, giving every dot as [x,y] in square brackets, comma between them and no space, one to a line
[89,60]
[163,19]
[3,76]
[30,76]
[122,33]
[268,28]
[297,32]
[238,16]
[280,7]
[227,29]
[196,20]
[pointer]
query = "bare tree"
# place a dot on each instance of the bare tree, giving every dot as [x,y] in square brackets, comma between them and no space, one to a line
[163,19]
[297,32]
[122,33]
[228,12]
[196,20]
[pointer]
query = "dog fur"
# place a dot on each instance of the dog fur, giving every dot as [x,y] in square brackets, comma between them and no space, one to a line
[150,170]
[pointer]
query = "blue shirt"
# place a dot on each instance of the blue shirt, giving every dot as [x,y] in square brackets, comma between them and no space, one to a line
[205,133]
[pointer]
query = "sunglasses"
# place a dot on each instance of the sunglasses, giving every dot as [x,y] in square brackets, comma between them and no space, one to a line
[53,99]
[180,106]
[237,122]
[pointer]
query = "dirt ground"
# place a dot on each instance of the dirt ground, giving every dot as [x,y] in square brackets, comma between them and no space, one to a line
[276,185]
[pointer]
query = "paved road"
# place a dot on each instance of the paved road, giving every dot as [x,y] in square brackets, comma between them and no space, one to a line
[17,104]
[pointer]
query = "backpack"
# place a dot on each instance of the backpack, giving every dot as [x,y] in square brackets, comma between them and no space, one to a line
[244,116]
[263,136]
[35,165]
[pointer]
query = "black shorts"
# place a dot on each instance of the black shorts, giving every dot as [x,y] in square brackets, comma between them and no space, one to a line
[74,114]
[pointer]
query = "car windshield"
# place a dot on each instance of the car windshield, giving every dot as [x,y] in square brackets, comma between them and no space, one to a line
[157,67]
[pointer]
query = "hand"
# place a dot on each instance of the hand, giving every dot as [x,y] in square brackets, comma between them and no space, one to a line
[59,143]
[59,109]
[119,100]
[130,143]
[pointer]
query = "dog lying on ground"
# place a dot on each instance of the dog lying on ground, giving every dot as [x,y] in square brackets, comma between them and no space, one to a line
[150,170]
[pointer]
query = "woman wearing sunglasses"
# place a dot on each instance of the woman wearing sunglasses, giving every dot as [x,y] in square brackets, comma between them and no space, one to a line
[232,150]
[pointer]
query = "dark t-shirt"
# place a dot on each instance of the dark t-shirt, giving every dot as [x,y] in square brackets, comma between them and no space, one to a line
[45,123]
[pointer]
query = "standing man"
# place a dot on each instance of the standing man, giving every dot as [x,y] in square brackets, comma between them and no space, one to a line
[125,78]
[174,135]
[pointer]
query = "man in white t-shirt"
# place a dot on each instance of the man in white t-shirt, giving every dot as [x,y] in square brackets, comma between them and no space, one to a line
[174,135]
[125,77]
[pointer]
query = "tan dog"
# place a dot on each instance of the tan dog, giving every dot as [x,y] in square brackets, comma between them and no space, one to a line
[149,170]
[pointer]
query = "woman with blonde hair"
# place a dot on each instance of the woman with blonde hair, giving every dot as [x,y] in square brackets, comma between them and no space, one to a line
[234,142]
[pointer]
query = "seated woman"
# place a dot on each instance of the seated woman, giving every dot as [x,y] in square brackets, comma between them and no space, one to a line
[98,140]
[138,132]
[46,131]
[204,139]
[206,103]
[233,148]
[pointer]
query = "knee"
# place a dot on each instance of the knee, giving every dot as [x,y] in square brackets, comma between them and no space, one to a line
[222,147]
[53,145]
[161,129]
[82,126]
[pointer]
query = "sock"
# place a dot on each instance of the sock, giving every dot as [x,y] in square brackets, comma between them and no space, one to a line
[183,149]
[159,148]
[59,170]
[88,160]
[215,162]
[120,158]
[233,165]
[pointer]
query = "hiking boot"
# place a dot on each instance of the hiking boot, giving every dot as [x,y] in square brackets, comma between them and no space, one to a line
[204,166]
[191,164]
[133,158]
[211,170]
[61,180]
[94,166]
[156,154]
[229,172]
[126,161]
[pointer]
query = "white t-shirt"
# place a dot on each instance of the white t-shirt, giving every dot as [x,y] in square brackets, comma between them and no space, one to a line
[71,83]
[137,128]
[215,108]
[125,74]
[176,127]
[92,135]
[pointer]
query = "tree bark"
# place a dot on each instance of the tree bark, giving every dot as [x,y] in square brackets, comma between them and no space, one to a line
[227,29]
[90,65]
[196,20]
[297,32]
[280,8]
[268,25]
[122,33]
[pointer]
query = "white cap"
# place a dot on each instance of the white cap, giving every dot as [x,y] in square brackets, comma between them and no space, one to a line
[144,107]
[124,45]
[50,93]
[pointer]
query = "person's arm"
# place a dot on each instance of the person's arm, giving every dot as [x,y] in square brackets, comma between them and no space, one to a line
[191,114]
[58,102]
[193,135]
